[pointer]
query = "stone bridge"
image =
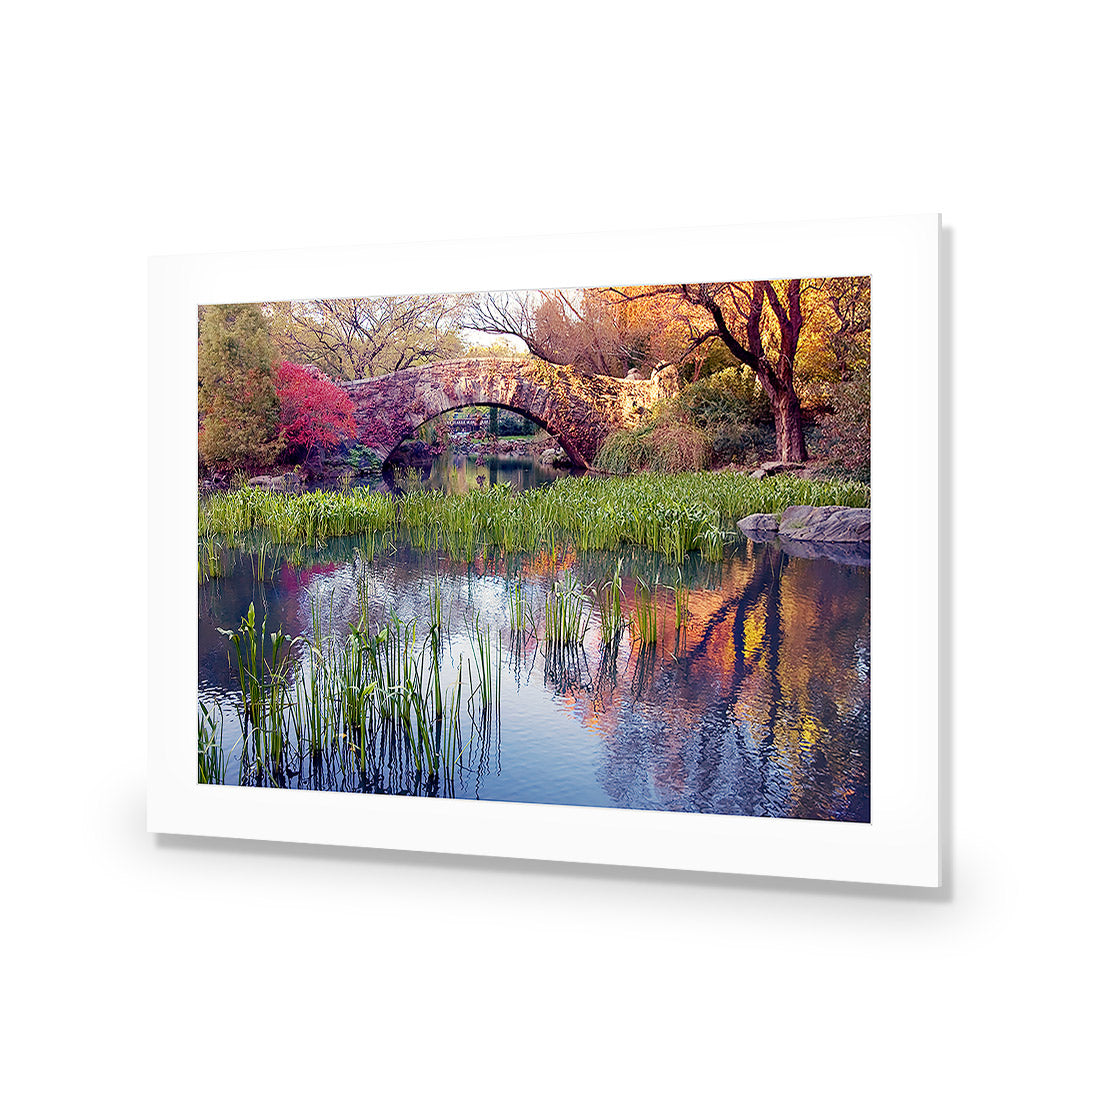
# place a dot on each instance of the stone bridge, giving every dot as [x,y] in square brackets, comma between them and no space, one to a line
[578,410]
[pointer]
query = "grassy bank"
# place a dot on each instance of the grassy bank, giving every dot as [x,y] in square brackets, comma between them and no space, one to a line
[669,514]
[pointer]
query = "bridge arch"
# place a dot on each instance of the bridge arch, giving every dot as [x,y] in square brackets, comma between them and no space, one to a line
[574,458]
[579,411]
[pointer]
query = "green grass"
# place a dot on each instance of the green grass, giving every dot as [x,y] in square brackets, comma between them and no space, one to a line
[670,514]
[288,518]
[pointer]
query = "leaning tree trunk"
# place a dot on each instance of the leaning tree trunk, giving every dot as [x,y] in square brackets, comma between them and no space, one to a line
[790,442]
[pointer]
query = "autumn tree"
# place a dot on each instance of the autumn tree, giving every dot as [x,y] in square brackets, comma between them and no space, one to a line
[362,337]
[239,426]
[316,413]
[583,329]
[760,324]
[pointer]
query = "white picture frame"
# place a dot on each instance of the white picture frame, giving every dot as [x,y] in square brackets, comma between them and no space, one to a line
[900,845]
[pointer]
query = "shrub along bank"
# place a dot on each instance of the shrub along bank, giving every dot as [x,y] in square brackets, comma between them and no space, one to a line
[724,418]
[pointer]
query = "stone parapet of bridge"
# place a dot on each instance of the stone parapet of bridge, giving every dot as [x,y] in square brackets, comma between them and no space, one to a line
[579,410]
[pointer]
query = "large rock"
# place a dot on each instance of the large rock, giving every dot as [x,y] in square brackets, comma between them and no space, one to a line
[760,526]
[277,482]
[825,523]
[554,456]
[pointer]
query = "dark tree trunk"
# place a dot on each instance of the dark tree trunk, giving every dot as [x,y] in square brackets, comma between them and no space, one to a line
[776,379]
[790,443]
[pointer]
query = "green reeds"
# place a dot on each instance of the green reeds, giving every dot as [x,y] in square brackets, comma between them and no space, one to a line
[262,681]
[370,702]
[610,600]
[673,515]
[643,623]
[487,689]
[212,758]
[522,616]
[681,597]
[516,619]
[210,563]
[263,563]
[293,518]
[567,615]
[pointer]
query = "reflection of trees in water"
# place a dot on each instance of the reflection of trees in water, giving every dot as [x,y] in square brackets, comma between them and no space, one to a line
[458,472]
[766,712]
[760,705]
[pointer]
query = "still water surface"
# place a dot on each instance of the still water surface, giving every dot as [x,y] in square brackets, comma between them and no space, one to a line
[759,705]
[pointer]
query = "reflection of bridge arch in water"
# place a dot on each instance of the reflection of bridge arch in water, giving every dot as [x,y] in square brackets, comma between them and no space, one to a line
[578,410]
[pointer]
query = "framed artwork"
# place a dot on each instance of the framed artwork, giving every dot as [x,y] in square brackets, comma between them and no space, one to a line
[555,548]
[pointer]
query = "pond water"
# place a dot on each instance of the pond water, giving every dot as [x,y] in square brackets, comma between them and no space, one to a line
[458,473]
[757,704]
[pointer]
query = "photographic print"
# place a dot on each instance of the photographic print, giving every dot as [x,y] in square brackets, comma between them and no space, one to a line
[605,546]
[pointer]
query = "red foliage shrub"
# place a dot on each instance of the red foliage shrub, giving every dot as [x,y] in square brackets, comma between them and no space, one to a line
[315,411]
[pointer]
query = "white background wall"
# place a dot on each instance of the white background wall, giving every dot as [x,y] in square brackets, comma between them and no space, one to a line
[137,967]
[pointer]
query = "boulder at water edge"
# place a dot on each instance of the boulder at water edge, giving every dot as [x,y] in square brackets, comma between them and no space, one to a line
[277,482]
[760,526]
[825,523]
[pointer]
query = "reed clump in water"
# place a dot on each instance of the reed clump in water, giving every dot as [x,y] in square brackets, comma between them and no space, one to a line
[681,597]
[213,761]
[567,615]
[263,685]
[610,600]
[644,628]
[371,702]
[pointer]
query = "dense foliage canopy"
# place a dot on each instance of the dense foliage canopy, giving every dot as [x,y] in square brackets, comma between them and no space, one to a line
[239,426]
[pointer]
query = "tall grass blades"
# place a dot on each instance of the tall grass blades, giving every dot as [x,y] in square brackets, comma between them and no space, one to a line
[673,515]
[210,562]
[643,623]
[567,615]
[487,689]
[289,518]
[263,565]
[681,597]
[516,618]
[610,600]
[372,707]
[212,758]
[262,681]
